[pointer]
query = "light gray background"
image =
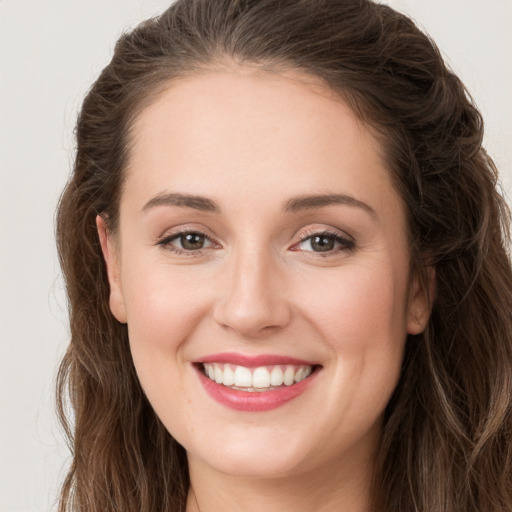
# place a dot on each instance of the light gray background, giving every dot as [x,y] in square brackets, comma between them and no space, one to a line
[51,51]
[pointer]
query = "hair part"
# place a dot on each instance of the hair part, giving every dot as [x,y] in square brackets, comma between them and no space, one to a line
[447,437]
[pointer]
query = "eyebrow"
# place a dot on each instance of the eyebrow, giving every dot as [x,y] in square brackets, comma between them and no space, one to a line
[184,200]
[313,202]
[310,202]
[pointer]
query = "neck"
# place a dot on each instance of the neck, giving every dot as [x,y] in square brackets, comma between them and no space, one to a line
[332,489]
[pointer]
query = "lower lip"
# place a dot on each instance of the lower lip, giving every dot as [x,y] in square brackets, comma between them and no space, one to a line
[255,401]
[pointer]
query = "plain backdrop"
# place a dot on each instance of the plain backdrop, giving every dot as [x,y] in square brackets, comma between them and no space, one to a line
[50,52]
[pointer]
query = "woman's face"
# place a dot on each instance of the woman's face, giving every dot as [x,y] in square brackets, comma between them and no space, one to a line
[261,241]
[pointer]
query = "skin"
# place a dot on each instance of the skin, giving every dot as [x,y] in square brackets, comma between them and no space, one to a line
[251,142]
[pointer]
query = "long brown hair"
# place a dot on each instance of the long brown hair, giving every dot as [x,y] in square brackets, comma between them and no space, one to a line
[447,436]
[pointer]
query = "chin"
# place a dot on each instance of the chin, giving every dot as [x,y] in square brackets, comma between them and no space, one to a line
[262,458]
[243,467]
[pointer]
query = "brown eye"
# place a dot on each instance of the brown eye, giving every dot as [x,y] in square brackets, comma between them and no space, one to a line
[325,243]
[192,241]
[322,243]
[186,241]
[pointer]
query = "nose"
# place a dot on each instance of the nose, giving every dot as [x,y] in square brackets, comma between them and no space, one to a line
[252,297]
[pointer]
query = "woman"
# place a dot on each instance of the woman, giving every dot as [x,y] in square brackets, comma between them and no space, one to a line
[287,269]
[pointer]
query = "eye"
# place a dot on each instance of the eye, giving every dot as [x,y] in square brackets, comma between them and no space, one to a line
[186,241]
[325,242]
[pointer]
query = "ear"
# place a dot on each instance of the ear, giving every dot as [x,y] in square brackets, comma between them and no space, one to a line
[421,296]
[111,257]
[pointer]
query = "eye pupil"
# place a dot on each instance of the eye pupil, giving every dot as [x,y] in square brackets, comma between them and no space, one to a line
[322,243]
[191,241]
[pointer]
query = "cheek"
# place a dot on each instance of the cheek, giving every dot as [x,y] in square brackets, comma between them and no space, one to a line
[163,307]
[360,306]
[359,312]
[361,317]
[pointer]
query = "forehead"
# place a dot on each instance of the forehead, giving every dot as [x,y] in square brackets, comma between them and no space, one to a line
[263,131]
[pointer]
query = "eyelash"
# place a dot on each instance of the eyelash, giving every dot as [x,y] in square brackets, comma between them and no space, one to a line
[166,242]
[345,244]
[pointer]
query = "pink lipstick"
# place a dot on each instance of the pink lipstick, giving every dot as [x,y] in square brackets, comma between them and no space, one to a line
[254,383]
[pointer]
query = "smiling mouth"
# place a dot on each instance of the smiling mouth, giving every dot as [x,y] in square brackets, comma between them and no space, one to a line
[259,379]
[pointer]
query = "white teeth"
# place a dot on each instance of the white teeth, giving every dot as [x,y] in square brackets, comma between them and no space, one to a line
[243,377]
[298,376]
[261,378]
[276,376]
[229,376]
[256,379]
[219,377]
[289,375]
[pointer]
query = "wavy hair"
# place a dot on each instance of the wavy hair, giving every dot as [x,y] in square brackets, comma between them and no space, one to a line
[447,435]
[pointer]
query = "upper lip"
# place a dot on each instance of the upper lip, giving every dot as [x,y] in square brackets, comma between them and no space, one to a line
[252,361]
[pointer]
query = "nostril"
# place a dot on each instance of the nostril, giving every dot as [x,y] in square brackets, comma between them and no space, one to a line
[252,304]
[252,321]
